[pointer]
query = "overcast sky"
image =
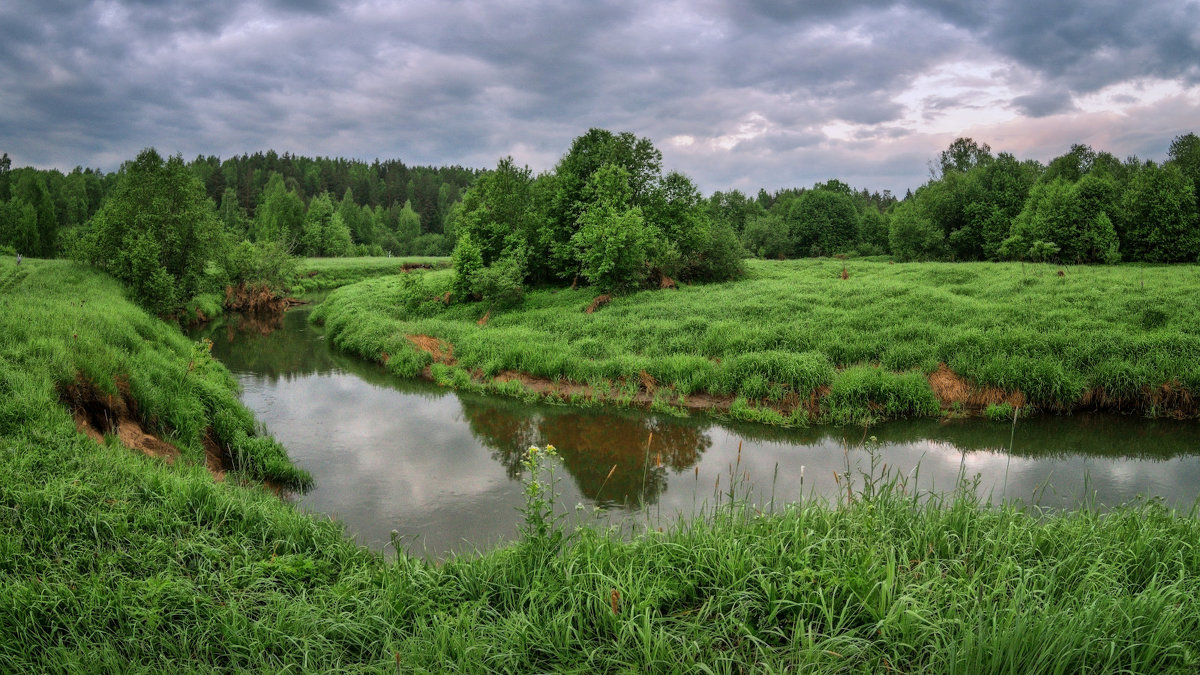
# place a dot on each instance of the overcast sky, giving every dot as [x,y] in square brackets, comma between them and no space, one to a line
[736,94]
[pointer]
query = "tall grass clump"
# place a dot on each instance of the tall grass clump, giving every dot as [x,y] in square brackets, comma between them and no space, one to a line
[869,393]
[802,372]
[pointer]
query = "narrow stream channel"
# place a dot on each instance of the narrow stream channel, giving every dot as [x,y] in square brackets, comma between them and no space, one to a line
[442,468]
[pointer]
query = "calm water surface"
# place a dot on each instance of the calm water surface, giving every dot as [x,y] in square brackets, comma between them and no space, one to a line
[443,468]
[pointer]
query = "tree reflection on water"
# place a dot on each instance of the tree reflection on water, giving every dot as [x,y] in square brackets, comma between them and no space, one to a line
[614,459]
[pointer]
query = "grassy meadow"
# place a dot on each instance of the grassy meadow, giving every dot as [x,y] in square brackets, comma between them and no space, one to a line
[314,275]
[113,561]
[795,342]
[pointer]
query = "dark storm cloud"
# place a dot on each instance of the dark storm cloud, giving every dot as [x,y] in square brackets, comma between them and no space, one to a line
[1087,45]
[756,84]
[1045,103]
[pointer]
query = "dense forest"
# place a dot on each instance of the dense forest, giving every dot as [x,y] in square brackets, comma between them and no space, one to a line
[384,207]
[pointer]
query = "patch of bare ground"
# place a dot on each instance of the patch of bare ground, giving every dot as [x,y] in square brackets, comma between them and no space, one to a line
[97,413]
[544,386]
[440,350]
[951,388]
[701,402]
[598,302]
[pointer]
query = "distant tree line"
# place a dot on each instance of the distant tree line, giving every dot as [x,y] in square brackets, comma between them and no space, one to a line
[1083,207]
[385,207]
[381,207]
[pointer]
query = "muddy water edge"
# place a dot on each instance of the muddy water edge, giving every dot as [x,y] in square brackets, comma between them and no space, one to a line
[442,468]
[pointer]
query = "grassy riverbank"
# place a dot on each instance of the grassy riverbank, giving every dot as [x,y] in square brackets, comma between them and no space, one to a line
[114,561]
[71,343]
[795,342]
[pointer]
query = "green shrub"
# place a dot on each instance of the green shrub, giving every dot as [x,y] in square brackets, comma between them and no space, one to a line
[467,261]
[999,412]
[499,285]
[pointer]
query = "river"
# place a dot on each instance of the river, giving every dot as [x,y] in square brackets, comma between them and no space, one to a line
[442,468]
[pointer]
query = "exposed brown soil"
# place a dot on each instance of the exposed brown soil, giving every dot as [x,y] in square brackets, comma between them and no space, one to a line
[257,299]
[408,267]
[598,302]
[98,413]
[440,350]
[649,384]
[950,389]
[216,456]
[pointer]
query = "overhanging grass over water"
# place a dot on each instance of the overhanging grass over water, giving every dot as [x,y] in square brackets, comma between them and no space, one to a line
[795,341]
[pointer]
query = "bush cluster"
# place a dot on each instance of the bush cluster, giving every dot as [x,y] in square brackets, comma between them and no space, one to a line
[606,215]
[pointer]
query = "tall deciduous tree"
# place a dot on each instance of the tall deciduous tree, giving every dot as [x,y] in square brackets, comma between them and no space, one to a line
[823,222]
[912,235]
[18,225]
[1185,155]
[1158,219]
[156,232]
[1074,218]
[408,228]
[613,241]
[325,233]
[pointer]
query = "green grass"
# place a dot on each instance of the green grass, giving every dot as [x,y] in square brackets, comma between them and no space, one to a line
[323,274]
[60,321]
[114,562]
[1096,336]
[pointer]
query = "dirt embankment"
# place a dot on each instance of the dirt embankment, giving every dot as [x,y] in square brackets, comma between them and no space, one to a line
[956,394]
[951,389]
[257,299]
[99,413]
